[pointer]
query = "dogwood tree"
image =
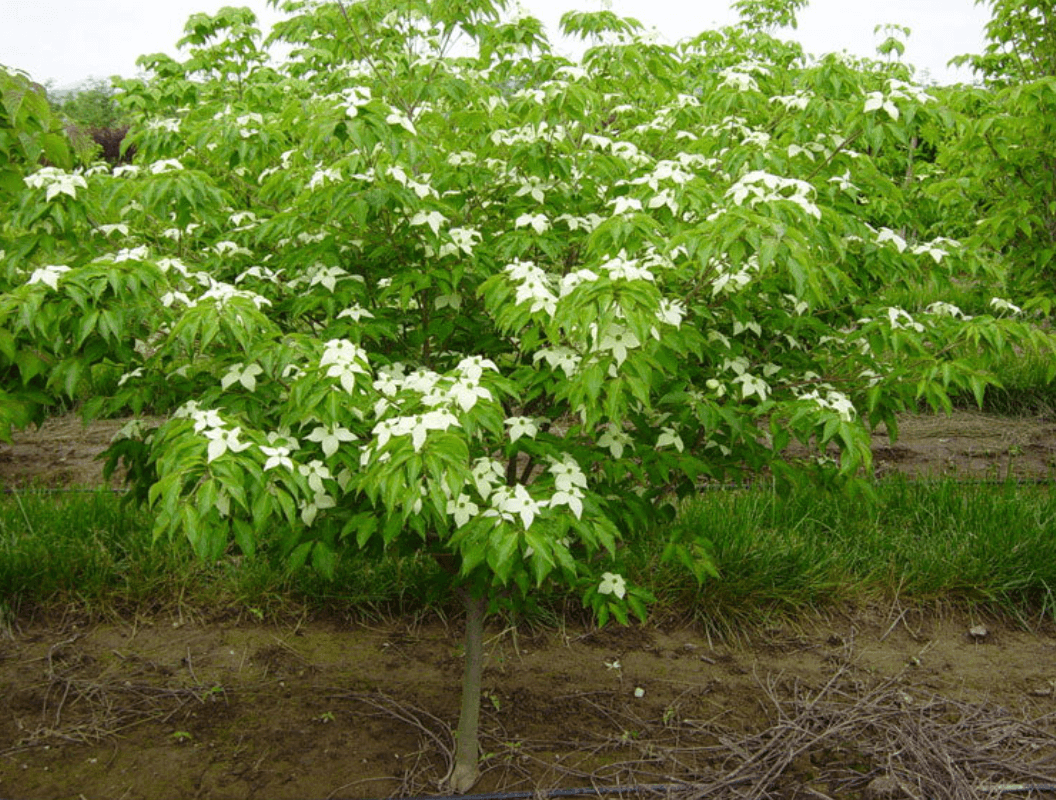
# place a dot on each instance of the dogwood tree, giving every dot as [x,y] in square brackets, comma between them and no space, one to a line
[453,292]
[1000,148]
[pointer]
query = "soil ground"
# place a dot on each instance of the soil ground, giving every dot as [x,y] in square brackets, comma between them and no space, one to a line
[870,703]
[158,709]
[968,444]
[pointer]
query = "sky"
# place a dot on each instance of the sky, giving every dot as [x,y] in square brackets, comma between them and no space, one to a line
[68,41]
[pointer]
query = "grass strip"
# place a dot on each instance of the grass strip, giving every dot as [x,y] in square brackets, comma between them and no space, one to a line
[984,546]
[990,547]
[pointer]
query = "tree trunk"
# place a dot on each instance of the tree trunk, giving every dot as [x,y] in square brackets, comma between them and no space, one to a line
[467,750]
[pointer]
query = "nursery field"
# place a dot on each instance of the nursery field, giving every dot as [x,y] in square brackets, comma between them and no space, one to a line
[526,423]
[886,698]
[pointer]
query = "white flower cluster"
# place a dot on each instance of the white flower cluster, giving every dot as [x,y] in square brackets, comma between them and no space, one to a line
[1000,304]
[344,360]
[354,98]
[463,240]
[261,274]
[833,401]
[585,223]
[896,90]
[900,319]
[560,357]
[530,134]
[888,235]
[330,437]
[512,503]
[248,124]
[622,268]
[615,439]
[761,187]
[355,312]
[421,188]
[540,223]
[280,446]
[798,101]
[434,219]
[269,171]
[462,388]
[937,248]
[165,166]
[628,151]
[440,393]
[320,274]
[56,182]
[323,176]
[533,286]
[244,374]
[730,281]
[569,481]
[617,339]
[210,424]
[169,125]
[942,309]
[614,584]
[49,276]
[417,426]
[741,81]
[223,292]
[750,384]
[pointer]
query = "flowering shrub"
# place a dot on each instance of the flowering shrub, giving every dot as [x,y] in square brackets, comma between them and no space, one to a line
[451,291]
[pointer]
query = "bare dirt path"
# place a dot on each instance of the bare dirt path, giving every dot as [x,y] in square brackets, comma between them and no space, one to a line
[179,709]
[967,444]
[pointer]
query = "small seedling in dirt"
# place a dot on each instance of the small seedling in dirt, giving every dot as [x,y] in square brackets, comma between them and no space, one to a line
[325,717]
[181,736]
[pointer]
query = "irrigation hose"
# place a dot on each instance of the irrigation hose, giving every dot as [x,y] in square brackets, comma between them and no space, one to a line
[597,791]
[1008,788]
[666,788]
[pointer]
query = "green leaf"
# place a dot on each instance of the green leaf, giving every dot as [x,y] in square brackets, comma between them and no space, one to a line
[245,537]
[365,525]
[324,560]
[299,556]
[503,546]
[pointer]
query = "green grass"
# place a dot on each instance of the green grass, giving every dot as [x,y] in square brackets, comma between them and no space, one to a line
[95,552]
[1027,386]
[992,547]
[989,547]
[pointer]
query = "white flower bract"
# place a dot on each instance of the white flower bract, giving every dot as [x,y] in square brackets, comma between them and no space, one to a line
[55,182]
[330,438]
[521,426]
[49,276]
[222,440]
[614,584]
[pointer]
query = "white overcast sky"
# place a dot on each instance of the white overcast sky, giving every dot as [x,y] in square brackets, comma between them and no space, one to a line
[67,41]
